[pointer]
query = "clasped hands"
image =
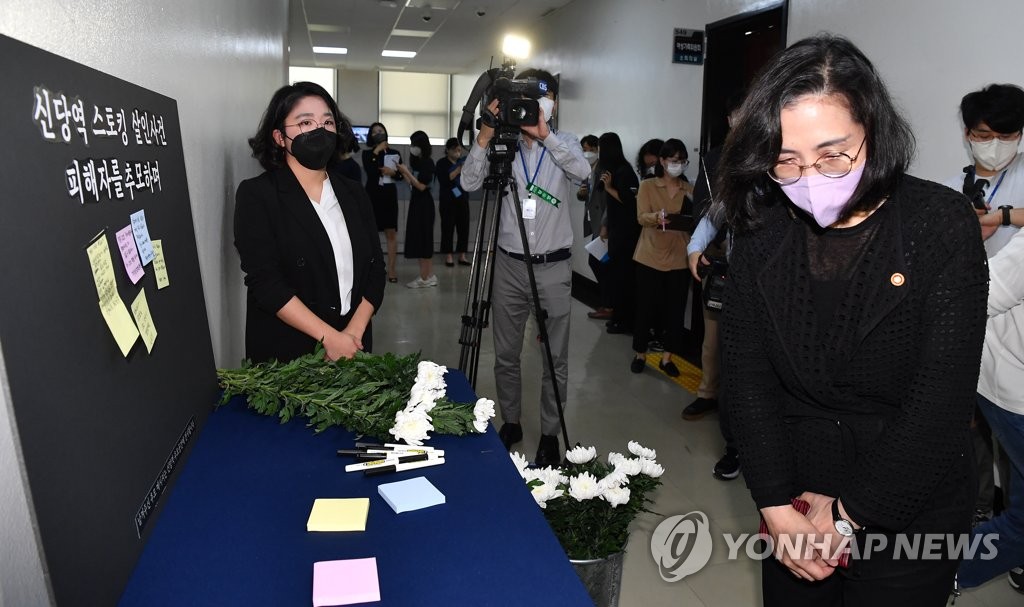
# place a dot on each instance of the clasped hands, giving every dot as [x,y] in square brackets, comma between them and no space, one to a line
[808,545]
[341,344]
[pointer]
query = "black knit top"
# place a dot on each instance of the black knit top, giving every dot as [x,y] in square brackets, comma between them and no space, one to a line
[873,405]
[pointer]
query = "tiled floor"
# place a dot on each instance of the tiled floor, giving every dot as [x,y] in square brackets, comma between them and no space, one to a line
[607,406]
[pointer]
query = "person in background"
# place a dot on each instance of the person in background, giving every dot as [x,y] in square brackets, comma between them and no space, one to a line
[993,118]
[380,163]
[419,225]
[347,166]
[548,163]
[1001,400]
[647,158]
[852,331]
[453,205]
[306,236]
[662,278]
[619,183]
[594,226]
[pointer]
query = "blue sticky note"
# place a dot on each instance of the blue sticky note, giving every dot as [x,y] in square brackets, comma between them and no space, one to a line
[141,232]
[413,494]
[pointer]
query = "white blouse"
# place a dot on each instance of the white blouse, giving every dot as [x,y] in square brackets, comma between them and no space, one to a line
[329,212]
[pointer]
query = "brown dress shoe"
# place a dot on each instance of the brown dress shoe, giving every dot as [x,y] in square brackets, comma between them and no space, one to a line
[600,314]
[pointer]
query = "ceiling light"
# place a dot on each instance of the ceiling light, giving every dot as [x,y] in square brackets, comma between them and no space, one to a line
[398,54]
[412,33]
[330,50]
[515,47]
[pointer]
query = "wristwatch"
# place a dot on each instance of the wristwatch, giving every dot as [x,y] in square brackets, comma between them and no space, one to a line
[1006,214]
[843,526]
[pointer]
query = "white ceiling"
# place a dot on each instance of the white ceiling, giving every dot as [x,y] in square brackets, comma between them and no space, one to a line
[455,36]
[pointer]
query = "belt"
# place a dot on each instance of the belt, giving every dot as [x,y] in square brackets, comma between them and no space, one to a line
[552,257]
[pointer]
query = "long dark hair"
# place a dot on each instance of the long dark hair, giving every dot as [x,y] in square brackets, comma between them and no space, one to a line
[265,149]
[822,65]
[610,156]
[420,140]
[652,147]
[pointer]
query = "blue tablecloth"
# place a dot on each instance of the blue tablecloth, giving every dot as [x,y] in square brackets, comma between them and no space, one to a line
[233,531]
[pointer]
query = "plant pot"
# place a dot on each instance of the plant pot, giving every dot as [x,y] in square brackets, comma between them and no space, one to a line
[602,578]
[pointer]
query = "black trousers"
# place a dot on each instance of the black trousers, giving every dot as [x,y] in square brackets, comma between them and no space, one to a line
[660,302]
[601,273]
[454,218]
[880,581]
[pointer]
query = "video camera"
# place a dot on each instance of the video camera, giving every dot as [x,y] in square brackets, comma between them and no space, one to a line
[517,107]
[712,278]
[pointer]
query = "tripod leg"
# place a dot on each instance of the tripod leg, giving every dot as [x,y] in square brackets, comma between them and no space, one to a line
[477,306]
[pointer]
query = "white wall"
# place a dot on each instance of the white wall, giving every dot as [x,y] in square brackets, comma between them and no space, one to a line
[617,73]
[359,95]
[221,61]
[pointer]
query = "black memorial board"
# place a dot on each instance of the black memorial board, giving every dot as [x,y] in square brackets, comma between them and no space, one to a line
[100,432]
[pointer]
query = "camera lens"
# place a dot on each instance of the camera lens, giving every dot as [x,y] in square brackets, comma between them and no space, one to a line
[518,113]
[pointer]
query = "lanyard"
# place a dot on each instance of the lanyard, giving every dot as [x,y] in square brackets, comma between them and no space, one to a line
[526,171]
[996,189]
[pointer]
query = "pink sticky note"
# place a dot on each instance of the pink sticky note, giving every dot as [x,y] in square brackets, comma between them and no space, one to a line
[130,254]
[345,582]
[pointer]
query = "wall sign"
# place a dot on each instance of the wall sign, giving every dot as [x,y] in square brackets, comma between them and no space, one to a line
[688,46]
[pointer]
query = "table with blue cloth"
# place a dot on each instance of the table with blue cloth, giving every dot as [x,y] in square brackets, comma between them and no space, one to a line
[233,530]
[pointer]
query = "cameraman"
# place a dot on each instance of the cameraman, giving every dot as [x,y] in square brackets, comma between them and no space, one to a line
[552,162]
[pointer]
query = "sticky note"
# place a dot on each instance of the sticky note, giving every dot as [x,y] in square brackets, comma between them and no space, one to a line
[413,494]
[144,320]
[119,321]
[339,514]
[141,233]
[345,582]
[160,265]
[102,269]
[130,254]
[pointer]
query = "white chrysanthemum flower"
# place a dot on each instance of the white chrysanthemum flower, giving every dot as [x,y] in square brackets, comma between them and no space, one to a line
[552,476]
[581,454]
[651,468]
[640,451]
[519,461]
[430,375]
[584,487]
[544,492]
[614,479]
[614,458]
[616,496]
[422,398]
[412,426]
[629,465]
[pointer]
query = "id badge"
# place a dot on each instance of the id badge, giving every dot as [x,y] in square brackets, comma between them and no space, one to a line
[456,192]
[530,208]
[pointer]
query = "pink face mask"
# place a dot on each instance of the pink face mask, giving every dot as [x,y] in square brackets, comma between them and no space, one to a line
[824,198]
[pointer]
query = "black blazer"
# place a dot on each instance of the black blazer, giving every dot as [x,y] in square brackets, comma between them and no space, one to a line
[285,252]
[877,412]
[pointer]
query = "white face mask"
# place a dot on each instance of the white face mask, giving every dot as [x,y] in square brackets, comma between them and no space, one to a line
[414,151]
[590,156]
[675,169]
[995,154]
[547,105]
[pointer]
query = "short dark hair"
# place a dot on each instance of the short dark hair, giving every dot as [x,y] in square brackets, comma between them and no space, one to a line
[610,156]
[452,143]
[265,149]
[824,65]
[546,77]
[1000,106]
[589,141]
[670,148]
[652,147]
[369,131]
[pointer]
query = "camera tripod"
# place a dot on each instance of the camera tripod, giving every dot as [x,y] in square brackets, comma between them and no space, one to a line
[476,312]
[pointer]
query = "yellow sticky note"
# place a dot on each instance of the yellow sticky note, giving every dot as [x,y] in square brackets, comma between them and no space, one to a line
[103,271]
[119,321]
[347,514]
[160,265]
[140,310]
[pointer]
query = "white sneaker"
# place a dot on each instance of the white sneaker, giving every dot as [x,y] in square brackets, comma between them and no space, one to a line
[418,283]
[431,281]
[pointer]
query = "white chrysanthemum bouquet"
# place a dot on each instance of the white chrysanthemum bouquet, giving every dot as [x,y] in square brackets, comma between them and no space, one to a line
[589,503]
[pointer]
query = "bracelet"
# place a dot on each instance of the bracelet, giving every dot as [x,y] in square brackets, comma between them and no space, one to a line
[1006,214]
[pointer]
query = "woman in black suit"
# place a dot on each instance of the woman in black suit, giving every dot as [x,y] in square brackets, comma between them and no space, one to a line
[380,163]
[306,235]
[619,182]
[851,334]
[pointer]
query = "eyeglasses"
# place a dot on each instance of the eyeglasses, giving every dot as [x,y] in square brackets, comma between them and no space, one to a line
[832,165]
[685,163]
[981,136]
[308,124]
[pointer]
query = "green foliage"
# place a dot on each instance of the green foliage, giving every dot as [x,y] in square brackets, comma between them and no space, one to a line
[362,394]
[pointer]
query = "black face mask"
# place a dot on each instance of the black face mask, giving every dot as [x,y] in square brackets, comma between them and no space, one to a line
[314,149]
[377,139]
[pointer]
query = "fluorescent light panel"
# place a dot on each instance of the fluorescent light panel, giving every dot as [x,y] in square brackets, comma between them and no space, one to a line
[412,33]
[330,50]
[398,54]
